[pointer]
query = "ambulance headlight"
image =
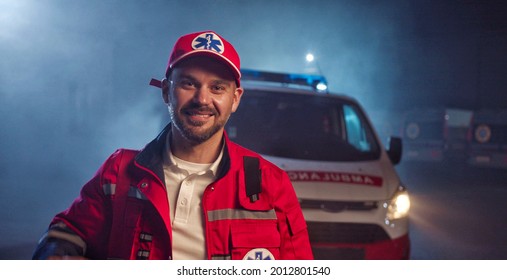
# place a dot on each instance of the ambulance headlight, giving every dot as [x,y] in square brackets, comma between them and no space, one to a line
[399,205]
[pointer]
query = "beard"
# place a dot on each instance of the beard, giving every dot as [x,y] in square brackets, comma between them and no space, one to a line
[192,130]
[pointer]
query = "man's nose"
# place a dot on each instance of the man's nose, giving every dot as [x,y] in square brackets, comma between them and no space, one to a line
[202,95]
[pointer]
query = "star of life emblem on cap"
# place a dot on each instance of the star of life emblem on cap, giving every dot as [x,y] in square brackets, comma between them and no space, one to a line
[208,41]
[259,254]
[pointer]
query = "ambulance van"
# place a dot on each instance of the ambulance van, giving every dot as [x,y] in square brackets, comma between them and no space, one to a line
[354,203]
[436,134]
[488,139]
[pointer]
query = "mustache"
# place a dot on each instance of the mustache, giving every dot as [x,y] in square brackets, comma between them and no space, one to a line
[199,108]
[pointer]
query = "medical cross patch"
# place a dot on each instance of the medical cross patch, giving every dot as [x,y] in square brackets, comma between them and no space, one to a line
[259,254]
[208,41]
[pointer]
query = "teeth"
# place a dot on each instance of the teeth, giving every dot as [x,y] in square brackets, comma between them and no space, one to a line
[202,115]
[199,114]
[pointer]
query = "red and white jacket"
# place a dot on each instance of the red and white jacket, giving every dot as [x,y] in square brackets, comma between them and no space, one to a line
[123,212]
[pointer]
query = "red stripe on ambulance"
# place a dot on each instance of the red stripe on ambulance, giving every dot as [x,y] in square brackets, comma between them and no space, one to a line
[336,177]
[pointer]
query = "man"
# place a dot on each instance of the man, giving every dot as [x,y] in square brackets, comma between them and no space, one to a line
[190,193]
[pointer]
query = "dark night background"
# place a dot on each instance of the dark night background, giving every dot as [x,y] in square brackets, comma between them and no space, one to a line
[74,74]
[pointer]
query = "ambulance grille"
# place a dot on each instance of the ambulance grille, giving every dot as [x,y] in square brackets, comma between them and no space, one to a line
[337,206]
[323,232]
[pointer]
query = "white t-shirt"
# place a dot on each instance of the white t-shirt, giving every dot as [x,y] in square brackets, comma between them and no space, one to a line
[185,183]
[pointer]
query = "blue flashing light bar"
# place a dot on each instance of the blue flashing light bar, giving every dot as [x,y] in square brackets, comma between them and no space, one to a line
[315,82]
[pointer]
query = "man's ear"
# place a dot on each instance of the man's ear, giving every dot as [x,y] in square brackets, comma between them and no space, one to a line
[165,90]
[237,98]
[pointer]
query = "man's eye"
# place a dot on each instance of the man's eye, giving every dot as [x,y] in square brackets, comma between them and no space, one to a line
[219,88]
[186,83]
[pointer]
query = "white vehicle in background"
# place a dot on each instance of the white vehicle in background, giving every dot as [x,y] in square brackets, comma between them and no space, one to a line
[436,134]
[488,139]
[354,203]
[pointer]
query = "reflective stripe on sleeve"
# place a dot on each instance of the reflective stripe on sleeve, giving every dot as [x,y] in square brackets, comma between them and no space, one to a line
[231,214]
[134,192]
[109,189]
[61,231]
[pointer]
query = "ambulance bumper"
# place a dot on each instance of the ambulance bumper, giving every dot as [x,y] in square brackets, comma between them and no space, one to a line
[392,249]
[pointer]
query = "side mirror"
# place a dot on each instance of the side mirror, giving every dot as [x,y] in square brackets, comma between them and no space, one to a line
[394,149]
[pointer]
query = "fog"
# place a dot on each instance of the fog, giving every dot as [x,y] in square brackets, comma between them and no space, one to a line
[74,74]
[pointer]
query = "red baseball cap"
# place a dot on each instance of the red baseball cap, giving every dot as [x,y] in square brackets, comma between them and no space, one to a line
[206,43]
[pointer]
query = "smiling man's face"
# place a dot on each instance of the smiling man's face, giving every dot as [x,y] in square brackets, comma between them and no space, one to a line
[201,96]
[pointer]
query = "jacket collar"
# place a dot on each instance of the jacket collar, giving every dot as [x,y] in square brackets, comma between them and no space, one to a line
[151,156]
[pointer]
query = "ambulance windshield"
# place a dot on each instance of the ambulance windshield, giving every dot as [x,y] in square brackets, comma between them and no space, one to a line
[300,126]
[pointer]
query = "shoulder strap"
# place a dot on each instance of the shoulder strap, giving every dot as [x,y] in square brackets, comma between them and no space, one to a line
[252,177]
